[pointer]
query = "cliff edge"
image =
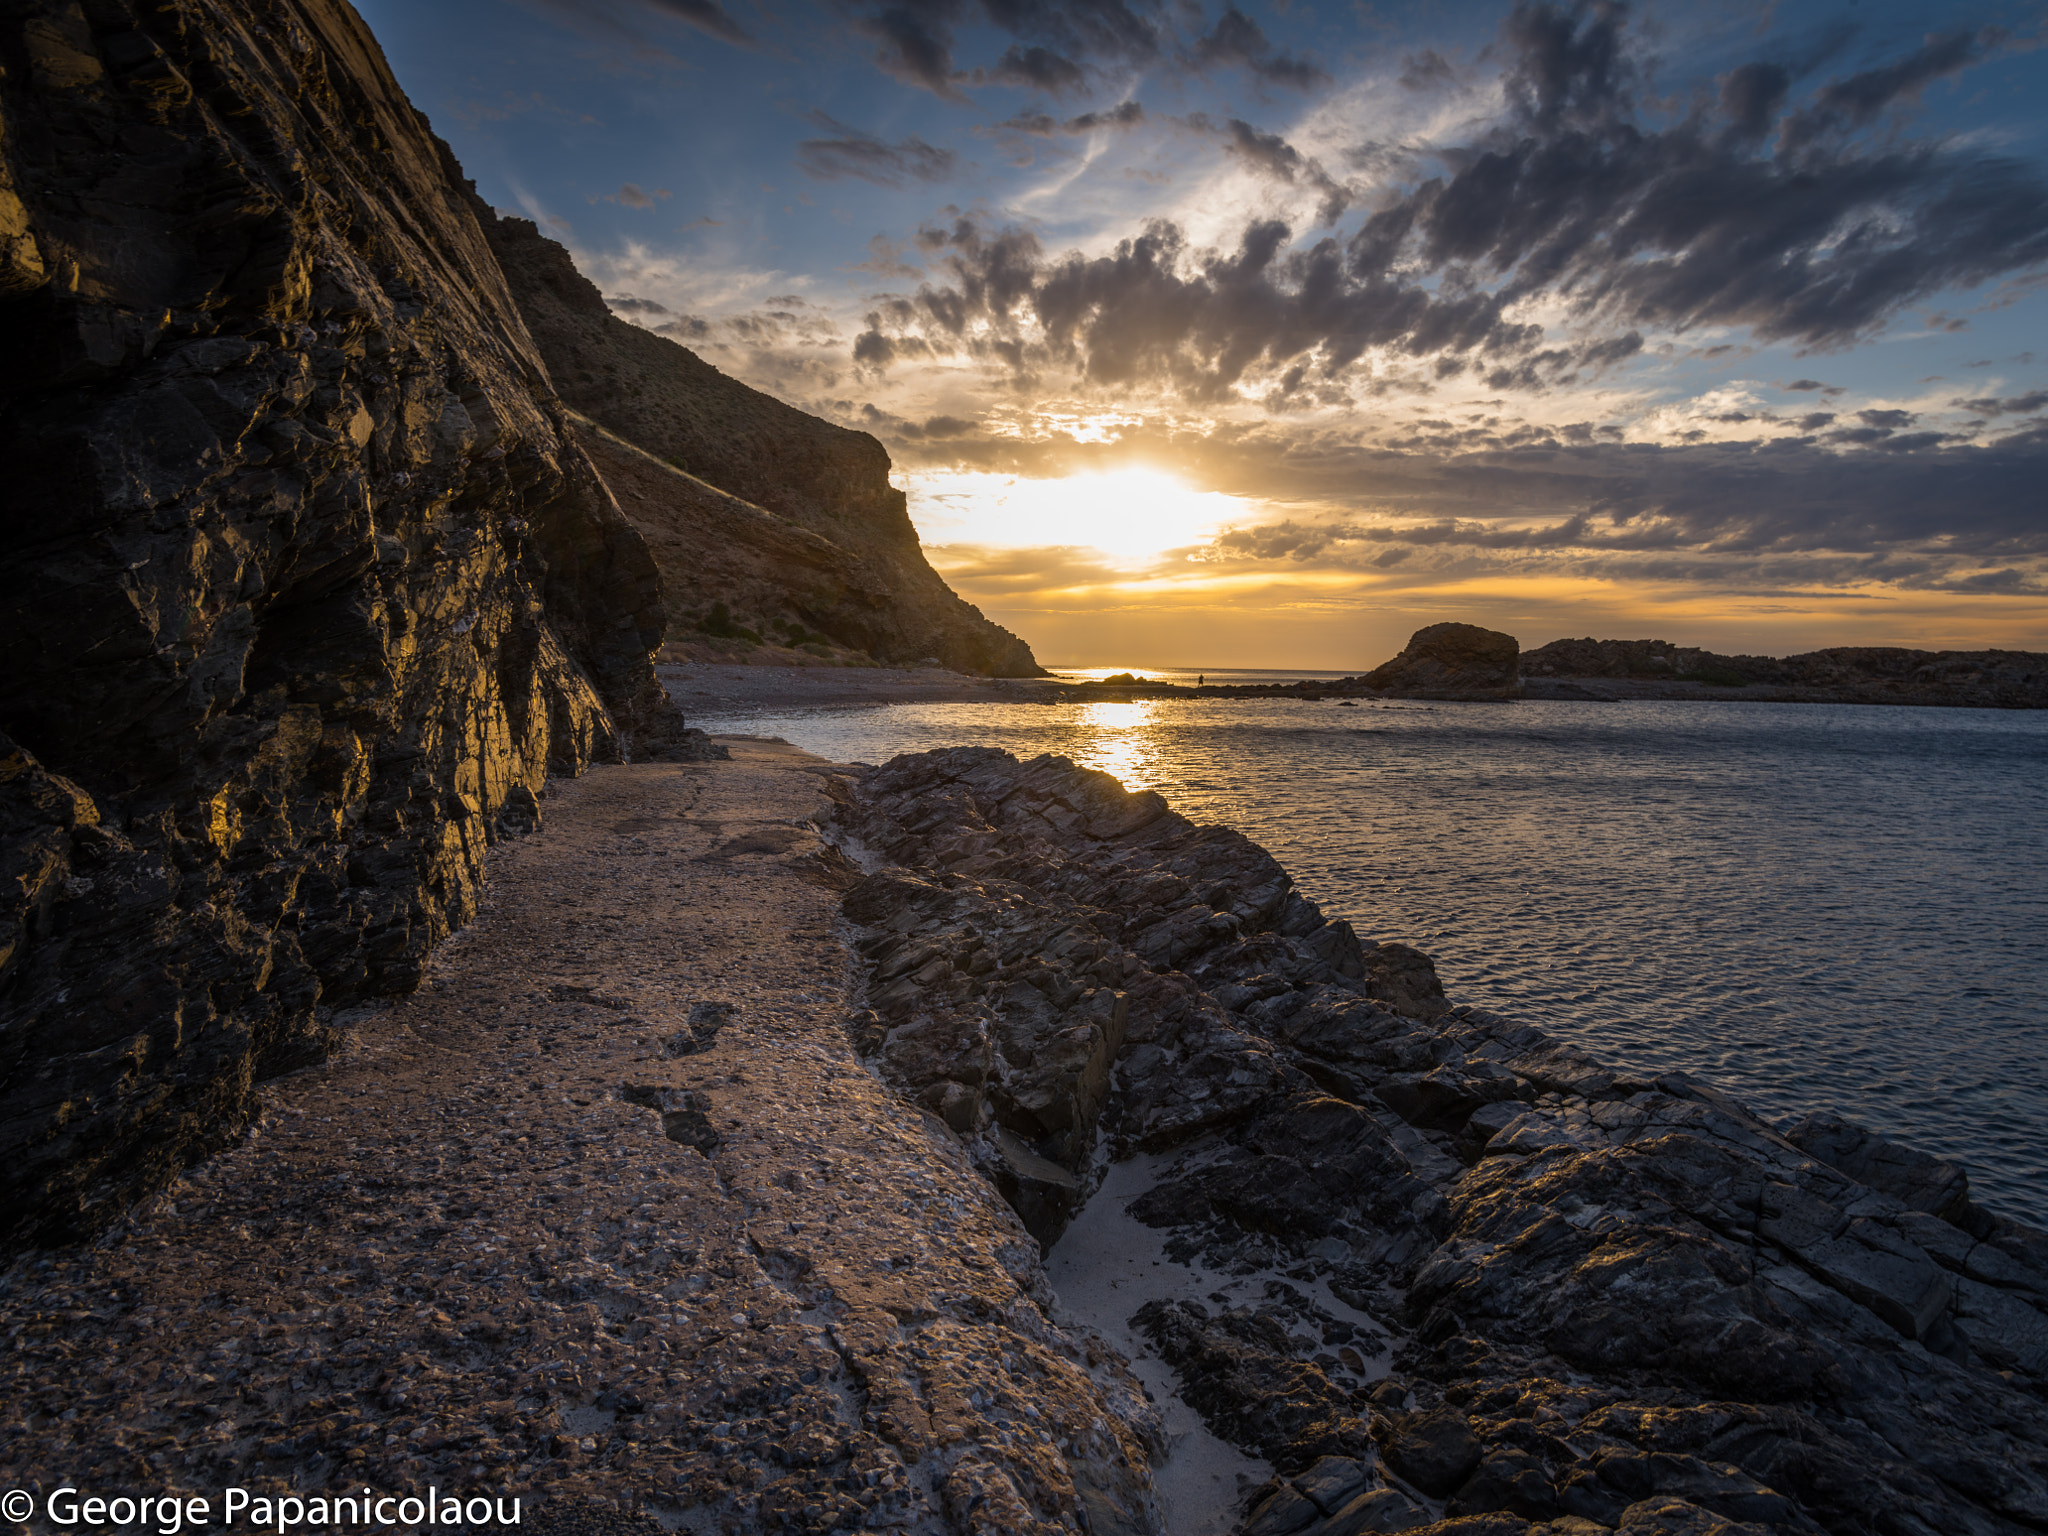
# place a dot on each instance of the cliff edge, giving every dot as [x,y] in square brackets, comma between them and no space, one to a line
[788,521]
[308,585]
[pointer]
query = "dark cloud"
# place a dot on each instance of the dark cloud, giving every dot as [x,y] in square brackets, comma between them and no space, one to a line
[1915,509]
[1573,199]
[1038,69]
[1809,386]
[1856,101]
[1125,114]
[626,304]
[1751,98]
[1814,421]
[1057,44]
[1236,40]
[1427,71]
[854,153]
[2011,405]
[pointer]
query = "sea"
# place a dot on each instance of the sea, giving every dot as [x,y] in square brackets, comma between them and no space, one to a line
[1813,906]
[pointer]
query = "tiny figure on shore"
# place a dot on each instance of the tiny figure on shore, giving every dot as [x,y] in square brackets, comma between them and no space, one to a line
[1200,679]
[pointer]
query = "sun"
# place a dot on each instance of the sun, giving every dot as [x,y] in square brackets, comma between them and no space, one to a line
[1131,515]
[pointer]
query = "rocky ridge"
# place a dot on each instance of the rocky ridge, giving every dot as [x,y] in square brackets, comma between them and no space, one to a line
[313,586]
[745,500]
[1993,679]
[1480,1282]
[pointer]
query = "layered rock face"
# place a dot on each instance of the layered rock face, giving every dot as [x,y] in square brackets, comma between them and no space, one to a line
[308,589]
[1451,661]
[1844,674]
[808,526]
[1508,1288]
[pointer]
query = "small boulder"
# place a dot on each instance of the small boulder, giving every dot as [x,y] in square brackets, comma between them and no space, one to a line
[1453,661]
[1436,1452]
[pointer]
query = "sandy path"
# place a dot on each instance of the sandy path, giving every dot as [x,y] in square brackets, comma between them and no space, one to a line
[461,1255]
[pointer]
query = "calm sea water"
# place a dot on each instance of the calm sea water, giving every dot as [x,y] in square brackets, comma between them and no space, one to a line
[1815,906]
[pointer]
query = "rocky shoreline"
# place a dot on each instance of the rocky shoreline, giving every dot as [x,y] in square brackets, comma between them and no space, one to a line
[971,1146]
[1479,1278]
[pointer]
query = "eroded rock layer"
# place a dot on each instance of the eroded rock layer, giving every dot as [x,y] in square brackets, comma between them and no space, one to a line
[1510,1288]
[307,587]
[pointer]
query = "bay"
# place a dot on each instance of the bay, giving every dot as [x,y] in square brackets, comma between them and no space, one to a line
[1812,906]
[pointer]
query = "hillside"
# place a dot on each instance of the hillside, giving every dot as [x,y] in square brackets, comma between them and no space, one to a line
[1840,675]
[808,532]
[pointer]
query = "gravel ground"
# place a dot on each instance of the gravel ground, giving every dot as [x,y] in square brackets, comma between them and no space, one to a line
[608,1218]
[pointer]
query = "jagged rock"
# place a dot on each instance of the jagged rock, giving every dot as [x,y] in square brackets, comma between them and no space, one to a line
[1594,1273]
[1238,1368]
[1452,661]
[1916,1180]
[321,592]
[1436,1451]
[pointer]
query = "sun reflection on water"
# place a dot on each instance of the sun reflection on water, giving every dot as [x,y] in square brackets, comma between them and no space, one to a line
[1122,743]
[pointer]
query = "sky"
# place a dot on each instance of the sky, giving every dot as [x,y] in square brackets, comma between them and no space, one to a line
[1202,335]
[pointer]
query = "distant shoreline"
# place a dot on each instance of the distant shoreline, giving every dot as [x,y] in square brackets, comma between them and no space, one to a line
[700,687]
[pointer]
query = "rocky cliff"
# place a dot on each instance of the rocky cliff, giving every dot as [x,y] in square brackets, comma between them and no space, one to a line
[1842,674]
[1439,1272]
[308,586]
[745,500]
[1451,661]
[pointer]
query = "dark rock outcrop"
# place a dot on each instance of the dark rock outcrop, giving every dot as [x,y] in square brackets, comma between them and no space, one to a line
[308,586]
[1610,1303]
[1451,661]
[745,500]
[1841,675]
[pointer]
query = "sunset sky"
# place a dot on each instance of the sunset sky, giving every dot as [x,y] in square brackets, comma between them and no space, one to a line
[1262,337]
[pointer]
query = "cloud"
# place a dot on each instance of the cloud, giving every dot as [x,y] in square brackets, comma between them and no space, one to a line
[2011,405]
[1427,71]
[1930,511]
[1057,44]
[1237,40]
[1619,226]
[626,304]
[857,154]
[1856,101]
[631,196]
[1037,69]
[1125,114]
[1275,157]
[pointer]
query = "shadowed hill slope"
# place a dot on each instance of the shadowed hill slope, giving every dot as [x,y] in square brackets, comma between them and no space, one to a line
[861,579]
[1842,674]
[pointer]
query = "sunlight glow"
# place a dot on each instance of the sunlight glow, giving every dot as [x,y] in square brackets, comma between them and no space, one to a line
[1123,744]
[1131,516]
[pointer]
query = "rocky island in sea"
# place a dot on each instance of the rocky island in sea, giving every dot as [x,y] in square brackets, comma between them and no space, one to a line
[431,1069]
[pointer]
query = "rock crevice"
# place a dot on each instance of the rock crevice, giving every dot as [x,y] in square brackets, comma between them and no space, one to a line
[1488,1278]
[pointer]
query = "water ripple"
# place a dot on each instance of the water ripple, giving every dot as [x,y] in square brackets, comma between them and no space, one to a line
[1816,906]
